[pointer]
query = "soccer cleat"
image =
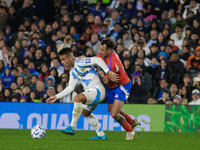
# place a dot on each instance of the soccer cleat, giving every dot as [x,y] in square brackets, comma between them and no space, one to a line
[137,122]
[104,137]
[69,131]
[130,135]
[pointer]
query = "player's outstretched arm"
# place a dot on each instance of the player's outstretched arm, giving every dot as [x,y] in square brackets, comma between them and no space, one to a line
[103,78]
[51,99]
[98,61]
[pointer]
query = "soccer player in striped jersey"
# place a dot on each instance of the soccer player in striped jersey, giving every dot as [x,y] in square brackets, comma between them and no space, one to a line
[94,92]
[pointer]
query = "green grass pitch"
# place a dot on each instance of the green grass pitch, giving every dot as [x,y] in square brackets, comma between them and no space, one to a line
[20,139]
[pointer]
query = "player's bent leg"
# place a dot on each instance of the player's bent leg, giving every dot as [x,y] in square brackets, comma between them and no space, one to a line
[79,99]
[93,121]
[132,122]
[115,113]
[94,96]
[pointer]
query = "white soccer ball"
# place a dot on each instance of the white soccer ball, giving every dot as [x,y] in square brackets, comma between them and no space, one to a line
[38,132]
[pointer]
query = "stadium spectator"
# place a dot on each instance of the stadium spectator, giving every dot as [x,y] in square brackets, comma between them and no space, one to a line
[193,61]
[44,72]
[162,84]
[183,92]
[193,6]
[14,98]
[151,100]
[127,67]
[94,43]
[50,92]
[98,10]
[34,79]
[78,23]
[96,26]
[177,67]
[33,95]
[7,78]
[50,82]
[153,64]
[163,72]
[4,17]
[103,32]
[31,67]
[153,37]
[7,92]
[195,97]
[23,99]
[20,82]
[184,101]
[38,59]
[26,92]
[194,42]
[26,75]
[179,20]
[138,91]
[26,10]
[127,40]
[58,66]
[165,96]
[173,90]
[40,88]
[25,45]
[54,73]
[13,86]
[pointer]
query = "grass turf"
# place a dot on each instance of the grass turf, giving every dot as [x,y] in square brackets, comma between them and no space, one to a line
[20,139]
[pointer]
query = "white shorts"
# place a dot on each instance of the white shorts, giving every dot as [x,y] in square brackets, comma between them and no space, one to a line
[94,96]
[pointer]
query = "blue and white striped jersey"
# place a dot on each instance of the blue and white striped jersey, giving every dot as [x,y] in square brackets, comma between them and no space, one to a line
[84,72]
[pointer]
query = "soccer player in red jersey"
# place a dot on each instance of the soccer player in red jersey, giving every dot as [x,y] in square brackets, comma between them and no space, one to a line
[119,91]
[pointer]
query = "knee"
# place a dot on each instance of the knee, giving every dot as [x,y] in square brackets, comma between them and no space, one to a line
[78,99]
[113,114]
[85,113]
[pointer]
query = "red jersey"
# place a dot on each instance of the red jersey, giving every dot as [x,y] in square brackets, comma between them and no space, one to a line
[114,64]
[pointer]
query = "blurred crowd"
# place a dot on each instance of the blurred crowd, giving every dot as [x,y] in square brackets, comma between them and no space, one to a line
[158,43]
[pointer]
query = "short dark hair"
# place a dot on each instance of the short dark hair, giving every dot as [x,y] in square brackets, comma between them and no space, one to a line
[65,51]
[34,75]
[108,42]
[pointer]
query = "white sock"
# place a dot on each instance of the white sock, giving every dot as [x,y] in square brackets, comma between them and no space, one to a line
[93,121]
[76,114]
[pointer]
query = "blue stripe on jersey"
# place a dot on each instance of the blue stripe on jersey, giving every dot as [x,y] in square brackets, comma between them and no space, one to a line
[86,81]
[93,71]
[97,98]
[85,73]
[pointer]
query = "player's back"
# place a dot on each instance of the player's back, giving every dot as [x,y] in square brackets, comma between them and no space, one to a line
[115,65]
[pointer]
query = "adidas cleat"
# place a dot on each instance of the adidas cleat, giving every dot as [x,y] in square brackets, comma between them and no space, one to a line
[137,122]
[130,135]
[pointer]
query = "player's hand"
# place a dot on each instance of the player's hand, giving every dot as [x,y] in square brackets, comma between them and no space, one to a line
[51,99]
[80,57]
[113,76]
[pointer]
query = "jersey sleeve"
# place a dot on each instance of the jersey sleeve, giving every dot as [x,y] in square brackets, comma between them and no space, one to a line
[93,61]
[70,88]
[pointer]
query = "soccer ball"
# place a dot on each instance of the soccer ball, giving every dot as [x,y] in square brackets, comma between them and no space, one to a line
[38,132]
